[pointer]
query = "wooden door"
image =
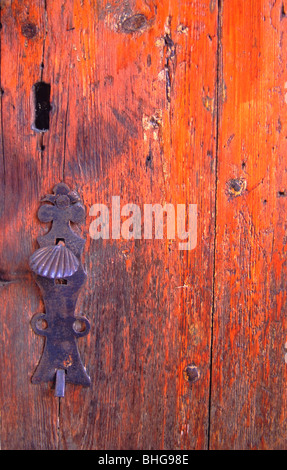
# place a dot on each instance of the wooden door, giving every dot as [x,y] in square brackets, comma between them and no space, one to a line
[158,102]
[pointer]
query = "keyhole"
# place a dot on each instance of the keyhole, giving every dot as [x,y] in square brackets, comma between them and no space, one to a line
[42,107]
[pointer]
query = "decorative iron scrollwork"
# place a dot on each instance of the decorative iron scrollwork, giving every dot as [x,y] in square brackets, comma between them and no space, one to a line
[60,275]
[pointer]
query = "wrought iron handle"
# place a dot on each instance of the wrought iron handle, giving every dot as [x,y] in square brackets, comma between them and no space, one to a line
[60,276]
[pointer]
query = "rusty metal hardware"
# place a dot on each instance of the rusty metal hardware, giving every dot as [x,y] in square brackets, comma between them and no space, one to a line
[60,276]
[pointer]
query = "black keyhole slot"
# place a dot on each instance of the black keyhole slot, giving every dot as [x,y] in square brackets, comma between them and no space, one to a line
[42,106]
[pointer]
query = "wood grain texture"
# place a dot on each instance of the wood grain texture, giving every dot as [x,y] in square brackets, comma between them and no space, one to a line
[249,372]
[28,414]
[148,303]
[129,82]
[155,102]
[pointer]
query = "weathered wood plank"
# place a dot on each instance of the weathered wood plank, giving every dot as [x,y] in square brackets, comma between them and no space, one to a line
[28,414]
[133,91]
[249,372]
[149,106]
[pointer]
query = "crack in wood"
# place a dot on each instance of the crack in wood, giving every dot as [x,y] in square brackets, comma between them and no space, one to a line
[170,58]
[218,104]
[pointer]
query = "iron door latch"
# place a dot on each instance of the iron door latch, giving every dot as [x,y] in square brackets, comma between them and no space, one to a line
[60,276]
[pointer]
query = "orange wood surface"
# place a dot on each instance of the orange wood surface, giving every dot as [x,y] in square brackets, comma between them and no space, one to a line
[248,399]
[155,102]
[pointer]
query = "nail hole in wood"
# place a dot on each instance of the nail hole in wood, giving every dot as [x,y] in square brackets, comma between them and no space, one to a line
[29,30]
[134,23]
[191,374]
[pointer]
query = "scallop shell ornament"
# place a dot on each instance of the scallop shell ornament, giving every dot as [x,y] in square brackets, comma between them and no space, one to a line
[54,262]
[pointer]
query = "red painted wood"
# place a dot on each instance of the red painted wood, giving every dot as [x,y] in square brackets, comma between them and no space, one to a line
[155,102]
[248,400]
